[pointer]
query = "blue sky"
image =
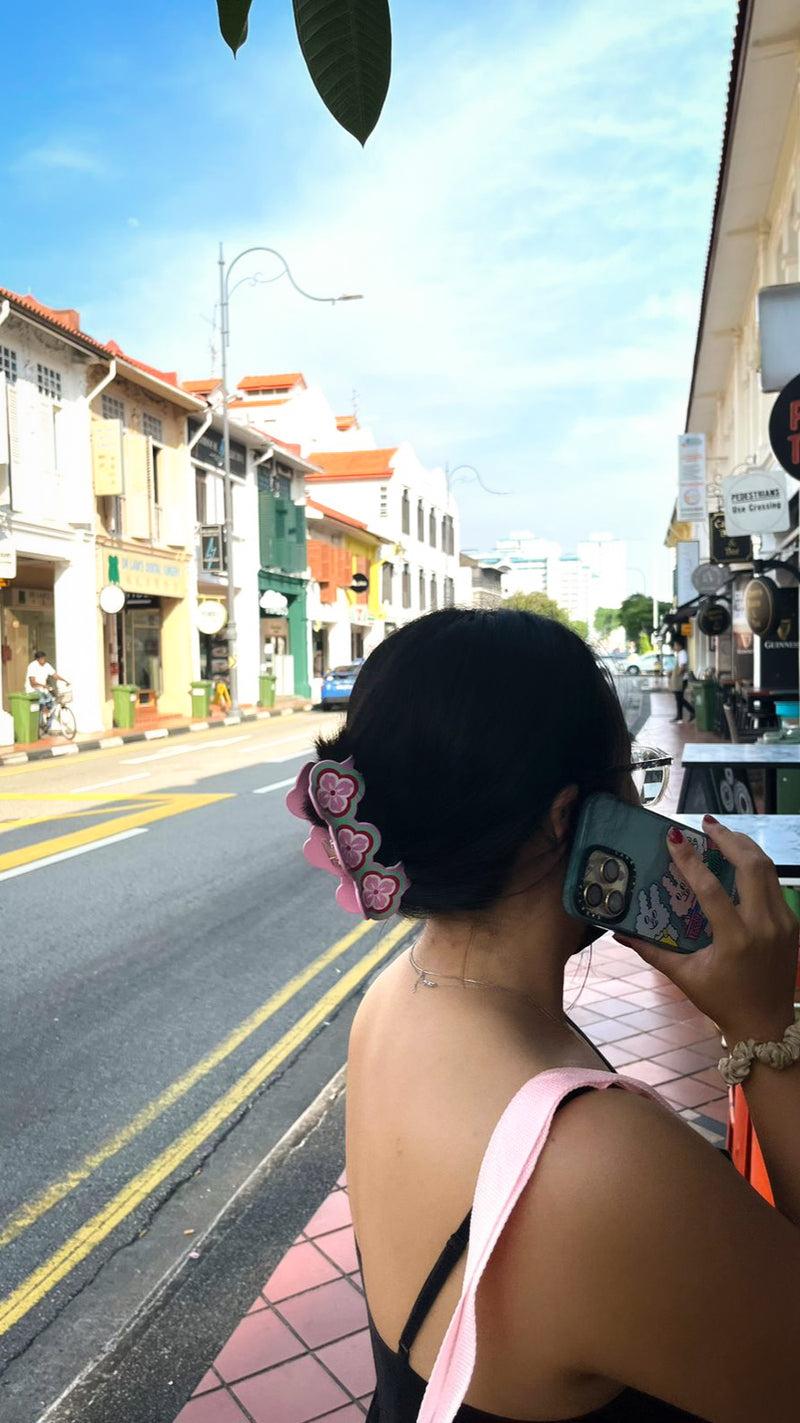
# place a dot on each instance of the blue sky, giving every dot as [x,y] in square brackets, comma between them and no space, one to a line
[528,224]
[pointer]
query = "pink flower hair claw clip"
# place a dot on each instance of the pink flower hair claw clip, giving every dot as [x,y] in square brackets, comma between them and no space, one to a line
[345,846]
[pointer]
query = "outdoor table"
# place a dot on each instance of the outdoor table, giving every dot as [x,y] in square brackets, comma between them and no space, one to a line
[715,776]
[779,837]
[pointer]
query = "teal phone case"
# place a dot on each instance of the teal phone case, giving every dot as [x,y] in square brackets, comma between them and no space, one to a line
[658,903]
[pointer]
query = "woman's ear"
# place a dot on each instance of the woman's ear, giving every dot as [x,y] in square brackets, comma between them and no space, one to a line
[561,811]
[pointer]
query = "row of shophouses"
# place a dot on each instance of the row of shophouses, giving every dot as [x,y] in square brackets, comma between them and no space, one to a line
[754,244]
[111,475]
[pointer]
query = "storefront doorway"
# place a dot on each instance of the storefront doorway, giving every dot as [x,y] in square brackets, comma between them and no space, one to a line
[140,644]
[27,619]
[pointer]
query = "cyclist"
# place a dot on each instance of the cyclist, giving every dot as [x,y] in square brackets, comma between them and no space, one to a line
[43,678]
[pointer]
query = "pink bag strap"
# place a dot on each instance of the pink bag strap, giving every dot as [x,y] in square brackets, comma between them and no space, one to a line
[508,1163]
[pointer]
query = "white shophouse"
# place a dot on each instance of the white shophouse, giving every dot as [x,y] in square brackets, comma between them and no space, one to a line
[49,598]
[754,243]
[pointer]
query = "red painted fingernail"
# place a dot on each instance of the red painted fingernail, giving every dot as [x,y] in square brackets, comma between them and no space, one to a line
[674,835]
[712,819]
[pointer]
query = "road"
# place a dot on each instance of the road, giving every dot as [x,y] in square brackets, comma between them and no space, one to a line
[168,958]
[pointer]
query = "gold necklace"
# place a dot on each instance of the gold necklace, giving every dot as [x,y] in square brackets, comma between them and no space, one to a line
[426,978]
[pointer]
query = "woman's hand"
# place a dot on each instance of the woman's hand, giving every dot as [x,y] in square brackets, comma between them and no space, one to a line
[745,979]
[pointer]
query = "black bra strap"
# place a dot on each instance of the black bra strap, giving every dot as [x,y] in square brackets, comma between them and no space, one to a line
[441,1271]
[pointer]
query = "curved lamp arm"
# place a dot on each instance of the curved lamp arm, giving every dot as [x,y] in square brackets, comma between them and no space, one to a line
[450,472]
[329,300]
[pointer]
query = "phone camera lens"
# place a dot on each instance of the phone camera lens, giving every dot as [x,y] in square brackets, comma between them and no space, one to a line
[611,871]
[615,902]
[594,895]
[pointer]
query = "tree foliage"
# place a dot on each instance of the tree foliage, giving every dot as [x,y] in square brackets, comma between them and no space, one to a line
[546,608]
[347,47]
[606,620]
[636,616]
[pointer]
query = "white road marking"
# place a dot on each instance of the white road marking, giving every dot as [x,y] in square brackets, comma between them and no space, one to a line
[70,854]
[184,751]
[118,780]
[276,786]
[287,740]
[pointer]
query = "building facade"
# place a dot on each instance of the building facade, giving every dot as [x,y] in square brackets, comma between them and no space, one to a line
[347,621]
[755,243]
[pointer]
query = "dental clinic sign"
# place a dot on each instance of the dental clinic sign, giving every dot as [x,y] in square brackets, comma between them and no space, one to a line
[755,502]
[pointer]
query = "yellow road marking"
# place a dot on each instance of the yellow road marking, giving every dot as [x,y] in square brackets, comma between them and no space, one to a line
[39,1283]
[33,1210]
[165,807]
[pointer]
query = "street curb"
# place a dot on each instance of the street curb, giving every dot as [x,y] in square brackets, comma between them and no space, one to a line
[125,738]
[75,1397]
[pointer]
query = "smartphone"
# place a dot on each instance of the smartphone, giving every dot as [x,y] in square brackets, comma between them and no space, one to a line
[621,877]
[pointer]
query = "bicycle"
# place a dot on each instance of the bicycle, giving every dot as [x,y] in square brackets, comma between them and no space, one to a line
[59,718]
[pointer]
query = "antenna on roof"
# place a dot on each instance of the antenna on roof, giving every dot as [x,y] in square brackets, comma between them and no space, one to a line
[355,404]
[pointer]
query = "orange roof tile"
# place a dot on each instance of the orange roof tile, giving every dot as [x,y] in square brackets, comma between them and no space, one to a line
[202,387]
[67,320]
[334,514]
[169,377]
[346,422]
[352,464]
[252,404]
[271,382]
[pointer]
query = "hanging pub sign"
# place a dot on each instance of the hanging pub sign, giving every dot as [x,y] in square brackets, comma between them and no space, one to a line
[713,617]
[760,605]
[708,578]
[779,646]
[784,428]
[727,548]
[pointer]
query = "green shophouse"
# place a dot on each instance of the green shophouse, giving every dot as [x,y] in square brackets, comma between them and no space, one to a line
[284,567]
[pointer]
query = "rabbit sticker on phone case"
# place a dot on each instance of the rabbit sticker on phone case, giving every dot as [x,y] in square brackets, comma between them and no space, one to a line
[653,921]
[684,904]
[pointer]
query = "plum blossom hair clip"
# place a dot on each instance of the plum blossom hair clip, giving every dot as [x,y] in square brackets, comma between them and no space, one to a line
[345,846]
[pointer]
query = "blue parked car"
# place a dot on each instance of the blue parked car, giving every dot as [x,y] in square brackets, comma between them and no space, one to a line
[338,684]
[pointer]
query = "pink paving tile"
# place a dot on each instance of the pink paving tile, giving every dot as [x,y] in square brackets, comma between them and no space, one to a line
[717,1110]
[258,1342]
[649,1072]
[644,1020]
[646,997]
[615,1008]
[257,1304]
[608,1030]
[332,1215]
[617,1054]
[682,1060]
[340,1247]
[584,1016]
[207,1382]
[648,978]
[711,1076]
[678,1034]
[301,1268]
[681,1012]
[350,1361]
[342,1179]
[292,1393]
[685,1092]
[644,1045]
[351,1413]
[327,1313]
[216,1407]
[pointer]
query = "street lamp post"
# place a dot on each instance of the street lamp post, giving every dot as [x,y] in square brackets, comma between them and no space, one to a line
[224,299]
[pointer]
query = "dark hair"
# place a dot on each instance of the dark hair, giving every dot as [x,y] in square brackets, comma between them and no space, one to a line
[465,725]
[37,655]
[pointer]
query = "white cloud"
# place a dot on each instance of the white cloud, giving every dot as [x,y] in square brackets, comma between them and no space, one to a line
[70,158]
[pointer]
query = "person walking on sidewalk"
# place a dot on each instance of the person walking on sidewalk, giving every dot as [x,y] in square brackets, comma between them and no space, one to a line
[628,1274]
[679,680]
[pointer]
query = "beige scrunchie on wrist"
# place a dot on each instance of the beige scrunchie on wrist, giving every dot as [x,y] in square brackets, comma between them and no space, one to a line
[734,1068]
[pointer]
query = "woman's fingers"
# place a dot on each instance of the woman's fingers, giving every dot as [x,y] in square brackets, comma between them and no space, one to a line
[715,903]
[756,878]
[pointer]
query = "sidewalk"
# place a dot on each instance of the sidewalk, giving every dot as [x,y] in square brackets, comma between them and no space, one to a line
[302,1351]
[153,729]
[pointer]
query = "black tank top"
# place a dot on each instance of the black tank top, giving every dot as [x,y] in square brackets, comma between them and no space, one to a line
[399,1390]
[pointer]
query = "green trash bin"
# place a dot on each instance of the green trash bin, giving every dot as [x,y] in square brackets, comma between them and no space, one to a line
[266,690]
[125,698]
[705,704]
[25,714]
[787,791]
[201,698]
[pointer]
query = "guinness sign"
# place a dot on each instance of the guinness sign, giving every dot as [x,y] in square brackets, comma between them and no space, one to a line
[713,618]
[759,605]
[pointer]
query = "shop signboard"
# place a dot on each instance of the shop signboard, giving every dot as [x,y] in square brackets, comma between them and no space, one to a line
[784,428]
[210,617]
[707,578]
[755,502]
[8,555]
[725,547]
[691,477]
[107,457]
[760,605]
[212,548]
[156,575]
[779,646]
[713,617]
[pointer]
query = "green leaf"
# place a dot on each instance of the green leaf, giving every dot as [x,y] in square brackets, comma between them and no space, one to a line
[347,46]
[233,21]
